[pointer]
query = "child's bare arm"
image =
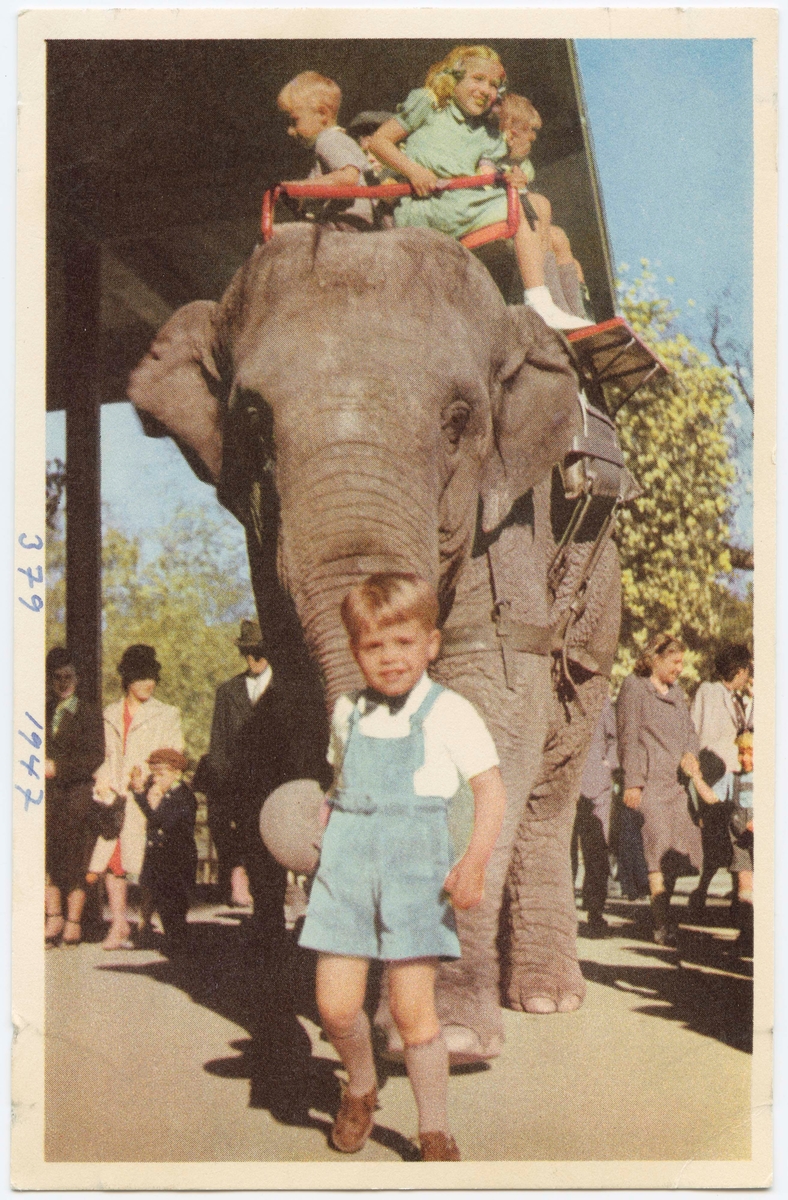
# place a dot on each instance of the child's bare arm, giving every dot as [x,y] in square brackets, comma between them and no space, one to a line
[465,881]
[345,177]
[383,145]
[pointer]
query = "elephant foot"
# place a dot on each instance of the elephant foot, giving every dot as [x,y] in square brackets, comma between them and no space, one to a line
[467,1046]
[536,988]
[464,1045]
[546,1004]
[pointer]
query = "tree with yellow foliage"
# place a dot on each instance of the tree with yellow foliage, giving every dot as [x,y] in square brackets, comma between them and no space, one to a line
[675,540]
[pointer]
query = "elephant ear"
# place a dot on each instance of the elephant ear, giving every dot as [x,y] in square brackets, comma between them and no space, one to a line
[175,388]
[535,417]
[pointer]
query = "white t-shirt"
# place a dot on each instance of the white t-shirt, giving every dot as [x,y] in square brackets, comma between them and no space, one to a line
[457,743]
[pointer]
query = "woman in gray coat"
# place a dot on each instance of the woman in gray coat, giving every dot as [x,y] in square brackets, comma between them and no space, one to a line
[658,747]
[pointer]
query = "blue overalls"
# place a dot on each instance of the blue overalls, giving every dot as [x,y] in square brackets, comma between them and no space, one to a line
[378,892]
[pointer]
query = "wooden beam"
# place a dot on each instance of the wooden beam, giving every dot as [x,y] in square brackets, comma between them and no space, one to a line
[82,261]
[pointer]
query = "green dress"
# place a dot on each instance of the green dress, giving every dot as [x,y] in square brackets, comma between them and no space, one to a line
[449,143]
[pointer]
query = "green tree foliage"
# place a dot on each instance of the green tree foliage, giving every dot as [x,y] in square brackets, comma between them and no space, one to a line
[186,602]
[56,581]
[675,540]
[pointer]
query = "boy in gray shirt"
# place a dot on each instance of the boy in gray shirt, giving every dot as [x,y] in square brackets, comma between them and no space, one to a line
[312,102]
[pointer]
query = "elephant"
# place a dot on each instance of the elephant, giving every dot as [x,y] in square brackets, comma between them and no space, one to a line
[368,402]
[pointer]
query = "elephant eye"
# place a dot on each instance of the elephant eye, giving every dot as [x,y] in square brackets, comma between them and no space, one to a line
[455,421]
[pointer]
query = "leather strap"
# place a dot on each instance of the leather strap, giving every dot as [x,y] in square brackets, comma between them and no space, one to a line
[515,635]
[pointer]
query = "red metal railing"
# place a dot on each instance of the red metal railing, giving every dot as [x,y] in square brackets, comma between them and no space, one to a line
[390,191]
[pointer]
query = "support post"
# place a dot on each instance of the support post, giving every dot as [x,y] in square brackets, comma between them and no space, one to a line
[83,463]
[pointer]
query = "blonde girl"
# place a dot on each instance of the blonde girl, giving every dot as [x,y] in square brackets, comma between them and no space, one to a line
[447,131]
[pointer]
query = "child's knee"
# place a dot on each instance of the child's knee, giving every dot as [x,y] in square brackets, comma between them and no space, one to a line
[338,1011]
[337,1019]
[414,1015]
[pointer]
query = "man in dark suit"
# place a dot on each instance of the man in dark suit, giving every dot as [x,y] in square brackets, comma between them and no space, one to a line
[263,734]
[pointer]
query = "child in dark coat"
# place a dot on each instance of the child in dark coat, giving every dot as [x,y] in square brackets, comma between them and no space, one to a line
[170,865]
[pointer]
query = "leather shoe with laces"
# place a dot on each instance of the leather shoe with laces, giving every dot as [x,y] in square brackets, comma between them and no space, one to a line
[438,1147]
[354,1121]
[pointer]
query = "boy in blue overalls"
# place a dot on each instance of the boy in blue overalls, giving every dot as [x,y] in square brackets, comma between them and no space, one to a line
[386,885]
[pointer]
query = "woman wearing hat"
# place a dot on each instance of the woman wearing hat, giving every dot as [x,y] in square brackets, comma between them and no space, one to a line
[134,727]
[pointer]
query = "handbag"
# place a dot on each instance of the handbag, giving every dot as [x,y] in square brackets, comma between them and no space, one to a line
[108,818]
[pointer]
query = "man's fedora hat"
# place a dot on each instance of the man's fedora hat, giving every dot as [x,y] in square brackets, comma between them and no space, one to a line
[251,638]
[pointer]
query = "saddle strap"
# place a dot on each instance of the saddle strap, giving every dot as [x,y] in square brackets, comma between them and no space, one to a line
[517,635]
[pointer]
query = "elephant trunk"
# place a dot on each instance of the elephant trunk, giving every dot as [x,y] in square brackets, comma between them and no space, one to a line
[344,525]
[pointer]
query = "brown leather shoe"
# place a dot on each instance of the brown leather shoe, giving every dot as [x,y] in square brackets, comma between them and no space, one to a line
[438,1147]
[354,1121]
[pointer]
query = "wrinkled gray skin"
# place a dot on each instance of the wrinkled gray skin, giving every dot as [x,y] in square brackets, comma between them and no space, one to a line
[541,973]
[356,400]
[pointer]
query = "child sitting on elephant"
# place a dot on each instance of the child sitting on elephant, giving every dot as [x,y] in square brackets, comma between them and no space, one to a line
[448,130]
[385,885]
[312,102]
[519,123]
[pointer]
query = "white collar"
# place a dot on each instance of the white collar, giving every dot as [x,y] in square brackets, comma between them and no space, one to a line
[256,685]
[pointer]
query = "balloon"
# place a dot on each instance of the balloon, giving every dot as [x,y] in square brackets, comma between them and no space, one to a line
[290,827]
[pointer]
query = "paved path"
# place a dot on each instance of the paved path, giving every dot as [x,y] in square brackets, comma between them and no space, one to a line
[216,1061]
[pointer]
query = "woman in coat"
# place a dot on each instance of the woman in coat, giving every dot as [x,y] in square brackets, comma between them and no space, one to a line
[134,727]
[74,749]
[658,747]
[720,715]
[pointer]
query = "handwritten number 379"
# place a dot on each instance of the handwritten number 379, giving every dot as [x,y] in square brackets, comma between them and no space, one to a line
[34,575]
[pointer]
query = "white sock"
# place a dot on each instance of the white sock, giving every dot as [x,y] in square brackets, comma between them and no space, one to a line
[540,300]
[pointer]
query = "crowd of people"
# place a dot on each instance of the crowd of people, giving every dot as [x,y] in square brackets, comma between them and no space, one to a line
[682,780]
[118,809]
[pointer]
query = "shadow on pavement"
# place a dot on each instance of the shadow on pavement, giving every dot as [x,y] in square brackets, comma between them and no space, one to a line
[263,989]
[702,984]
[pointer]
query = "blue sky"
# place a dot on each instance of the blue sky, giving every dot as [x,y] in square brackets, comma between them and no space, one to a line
[672,128]
[671,124]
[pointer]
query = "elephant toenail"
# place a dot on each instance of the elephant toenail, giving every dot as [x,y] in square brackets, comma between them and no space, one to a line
[540,1004]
